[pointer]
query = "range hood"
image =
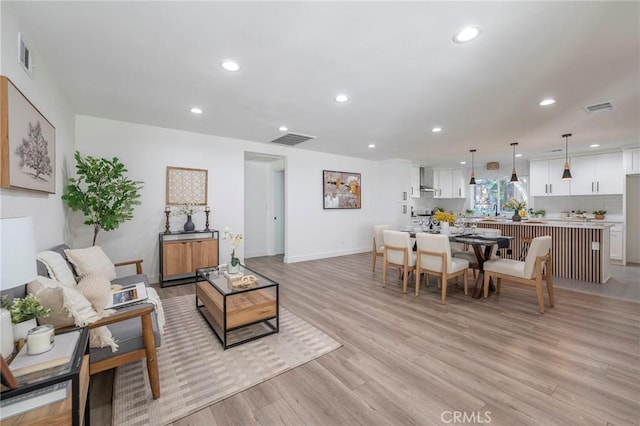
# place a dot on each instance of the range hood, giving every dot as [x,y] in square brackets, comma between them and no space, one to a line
[426,180]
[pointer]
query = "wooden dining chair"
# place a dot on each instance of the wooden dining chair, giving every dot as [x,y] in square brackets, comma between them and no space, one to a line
[398,253]
[434,258]
[535,268]
[378,244]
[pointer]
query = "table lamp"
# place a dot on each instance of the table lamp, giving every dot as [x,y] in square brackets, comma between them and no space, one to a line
[17,267]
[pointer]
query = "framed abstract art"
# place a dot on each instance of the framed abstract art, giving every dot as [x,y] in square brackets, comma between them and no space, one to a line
[341,190]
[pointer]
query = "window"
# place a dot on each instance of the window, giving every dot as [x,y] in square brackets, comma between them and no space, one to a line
[491,194]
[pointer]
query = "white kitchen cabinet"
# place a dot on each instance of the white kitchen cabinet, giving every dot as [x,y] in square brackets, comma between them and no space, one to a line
[631,160]
[458,183]
[415,181]
[615,242]
[597,174]
[545,178]
[448,183]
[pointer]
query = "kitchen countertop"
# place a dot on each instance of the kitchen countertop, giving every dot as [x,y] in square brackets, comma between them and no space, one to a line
[544,222]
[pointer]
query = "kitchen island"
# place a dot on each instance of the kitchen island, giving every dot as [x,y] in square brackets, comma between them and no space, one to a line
[580,250]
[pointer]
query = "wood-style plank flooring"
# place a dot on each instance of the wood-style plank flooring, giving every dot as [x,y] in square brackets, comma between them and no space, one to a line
[413,361]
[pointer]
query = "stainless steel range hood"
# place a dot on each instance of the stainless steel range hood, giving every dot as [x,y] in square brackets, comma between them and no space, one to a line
[426,180]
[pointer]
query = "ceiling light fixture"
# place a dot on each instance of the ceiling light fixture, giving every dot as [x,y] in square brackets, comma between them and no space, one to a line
[372,145]
[518,155]
[436,129]
[472,182]
[230,65]
[546,102]
[514,176]
[594,145]
[283,128]
[566,174]
[463,162]
[196,110]
[341,98]
[466,34]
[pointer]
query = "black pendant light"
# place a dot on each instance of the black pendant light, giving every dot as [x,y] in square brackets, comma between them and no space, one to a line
[566,174]
[473,174]
[514,176]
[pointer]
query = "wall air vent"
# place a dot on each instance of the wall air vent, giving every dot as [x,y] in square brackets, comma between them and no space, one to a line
[292,139]
[24,55]
[599,107]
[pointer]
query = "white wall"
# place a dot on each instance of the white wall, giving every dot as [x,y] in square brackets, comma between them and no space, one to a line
[311,232]
[46,209]
[257,198]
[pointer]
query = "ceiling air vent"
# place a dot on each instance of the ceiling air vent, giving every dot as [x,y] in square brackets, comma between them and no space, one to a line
[24,55]
[602,106]
[292,139]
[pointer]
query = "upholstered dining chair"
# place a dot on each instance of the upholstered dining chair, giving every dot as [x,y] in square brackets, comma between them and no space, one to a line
[434,258]
[531,271]
[378,245]
[470,256]
[398,253]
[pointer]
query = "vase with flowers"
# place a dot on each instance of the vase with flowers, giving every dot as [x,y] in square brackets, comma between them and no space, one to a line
[517,206]
[233,267]
[188,209]
[445,219]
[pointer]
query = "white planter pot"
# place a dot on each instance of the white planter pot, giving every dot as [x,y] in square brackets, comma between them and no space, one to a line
[444,228]
[233,269]
[20,330]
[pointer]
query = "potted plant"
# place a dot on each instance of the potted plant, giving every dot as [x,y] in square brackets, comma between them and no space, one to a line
[24,313]
[102,192]
[234,264]
[599,214]
[540,213]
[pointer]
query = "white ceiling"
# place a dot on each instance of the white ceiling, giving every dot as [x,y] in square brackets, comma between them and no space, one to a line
[150,62]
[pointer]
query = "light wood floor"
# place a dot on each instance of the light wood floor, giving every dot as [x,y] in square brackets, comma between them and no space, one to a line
[408,360]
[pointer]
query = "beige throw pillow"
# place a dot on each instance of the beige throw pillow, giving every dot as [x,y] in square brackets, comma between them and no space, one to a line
[75,310]
[92,260]
[57,267]
[97,289]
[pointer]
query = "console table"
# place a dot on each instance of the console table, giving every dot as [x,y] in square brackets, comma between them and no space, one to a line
[181,253]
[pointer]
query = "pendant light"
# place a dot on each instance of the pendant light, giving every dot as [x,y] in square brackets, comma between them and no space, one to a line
[472,182]
[514,176]
[566,175]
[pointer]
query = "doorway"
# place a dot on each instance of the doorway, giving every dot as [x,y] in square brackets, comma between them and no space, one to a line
[264,197]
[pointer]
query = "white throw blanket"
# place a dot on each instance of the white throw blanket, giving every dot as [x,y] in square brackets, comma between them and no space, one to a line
[155,300]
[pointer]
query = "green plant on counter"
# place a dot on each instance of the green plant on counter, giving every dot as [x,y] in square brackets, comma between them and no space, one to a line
[600,212]
[25,309]
[579,212]
[540,213]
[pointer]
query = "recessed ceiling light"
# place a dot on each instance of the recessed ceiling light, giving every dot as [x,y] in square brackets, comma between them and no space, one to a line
[230,65]
[546,102]
[341,98]
[283,128]
[371,145]
[466,34]
[196,110]
[436,129]
[594,145]
[463,162]
[518,155]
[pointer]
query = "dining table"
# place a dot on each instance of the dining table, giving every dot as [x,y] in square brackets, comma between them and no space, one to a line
[482,247]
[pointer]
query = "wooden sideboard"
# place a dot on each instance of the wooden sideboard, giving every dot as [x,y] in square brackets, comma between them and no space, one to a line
[181,253]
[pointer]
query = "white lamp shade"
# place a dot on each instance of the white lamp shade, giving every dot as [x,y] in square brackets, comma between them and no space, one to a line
[17,252]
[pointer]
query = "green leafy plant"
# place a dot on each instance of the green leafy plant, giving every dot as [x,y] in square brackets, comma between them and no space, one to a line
[25,309]
[515,204]
[102,192]
[540,213]
[579,212]
[600,212]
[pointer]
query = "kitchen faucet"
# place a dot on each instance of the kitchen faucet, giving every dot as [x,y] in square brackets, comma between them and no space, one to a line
[495,207]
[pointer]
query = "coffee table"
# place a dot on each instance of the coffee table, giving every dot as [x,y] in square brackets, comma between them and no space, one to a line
[237,315]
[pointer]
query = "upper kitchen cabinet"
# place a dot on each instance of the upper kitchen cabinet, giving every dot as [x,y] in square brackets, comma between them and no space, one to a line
[597,174]
[448,183]
[415,181]
[631,160]
[545,178]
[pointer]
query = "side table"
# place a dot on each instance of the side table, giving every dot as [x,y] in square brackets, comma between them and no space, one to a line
[74,409]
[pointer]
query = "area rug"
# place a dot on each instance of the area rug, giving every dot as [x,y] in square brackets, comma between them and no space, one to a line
[195,372]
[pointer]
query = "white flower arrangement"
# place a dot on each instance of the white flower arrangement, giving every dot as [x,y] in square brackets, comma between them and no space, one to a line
[187,209]
[235,239]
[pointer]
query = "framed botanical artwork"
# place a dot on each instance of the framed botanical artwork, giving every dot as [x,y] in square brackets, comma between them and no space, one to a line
[187,186]
[28,146]
[341,190]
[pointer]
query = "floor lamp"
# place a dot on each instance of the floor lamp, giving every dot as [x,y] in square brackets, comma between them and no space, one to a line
[17,267]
